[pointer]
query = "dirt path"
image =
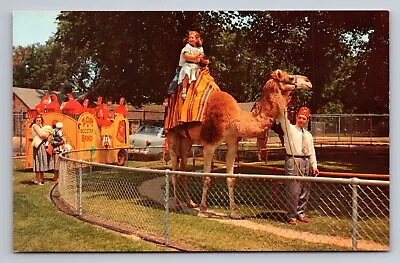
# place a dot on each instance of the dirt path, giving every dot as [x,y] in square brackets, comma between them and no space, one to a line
[154,189]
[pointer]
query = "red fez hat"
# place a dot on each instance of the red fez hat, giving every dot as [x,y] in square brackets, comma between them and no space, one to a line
[46,97]
[53,96]
[69,95]
[304,111]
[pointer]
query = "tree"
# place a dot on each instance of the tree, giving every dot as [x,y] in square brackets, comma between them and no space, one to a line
[39,66]
[330,47]
[134,54]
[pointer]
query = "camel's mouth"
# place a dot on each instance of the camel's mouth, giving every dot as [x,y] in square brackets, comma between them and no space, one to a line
[302,82]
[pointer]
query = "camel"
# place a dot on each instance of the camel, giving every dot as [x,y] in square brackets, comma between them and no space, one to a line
[225,122]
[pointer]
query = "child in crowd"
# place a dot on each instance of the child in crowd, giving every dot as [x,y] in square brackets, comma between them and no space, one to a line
[58,144]
[58,135]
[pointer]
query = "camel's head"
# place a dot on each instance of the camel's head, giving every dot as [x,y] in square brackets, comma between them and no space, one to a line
[277,91]
[288,83]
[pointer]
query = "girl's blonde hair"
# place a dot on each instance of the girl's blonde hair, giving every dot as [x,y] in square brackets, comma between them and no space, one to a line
[196,35]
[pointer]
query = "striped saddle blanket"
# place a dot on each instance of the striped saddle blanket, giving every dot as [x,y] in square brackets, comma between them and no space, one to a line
[192,108]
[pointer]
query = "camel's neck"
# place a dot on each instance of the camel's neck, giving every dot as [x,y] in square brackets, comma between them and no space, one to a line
[252,125]
[267,106]
[261,118]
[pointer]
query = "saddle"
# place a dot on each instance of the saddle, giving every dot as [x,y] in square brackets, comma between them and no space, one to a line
[193,107]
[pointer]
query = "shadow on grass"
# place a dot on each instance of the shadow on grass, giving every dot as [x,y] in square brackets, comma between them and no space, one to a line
[31,182]
[277,216]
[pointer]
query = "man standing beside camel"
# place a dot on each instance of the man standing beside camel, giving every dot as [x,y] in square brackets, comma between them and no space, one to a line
[300,161]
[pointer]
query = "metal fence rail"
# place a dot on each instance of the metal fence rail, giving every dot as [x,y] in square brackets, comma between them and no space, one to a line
[346,214]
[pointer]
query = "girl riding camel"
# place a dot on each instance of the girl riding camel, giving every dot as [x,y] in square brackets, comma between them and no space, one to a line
[191,56]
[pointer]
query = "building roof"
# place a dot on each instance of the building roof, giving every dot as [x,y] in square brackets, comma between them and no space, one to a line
[30,97]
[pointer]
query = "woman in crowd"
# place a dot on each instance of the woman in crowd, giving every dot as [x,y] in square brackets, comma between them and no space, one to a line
[40,157]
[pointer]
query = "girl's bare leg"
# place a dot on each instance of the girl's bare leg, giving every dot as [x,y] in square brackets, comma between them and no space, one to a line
[184,86]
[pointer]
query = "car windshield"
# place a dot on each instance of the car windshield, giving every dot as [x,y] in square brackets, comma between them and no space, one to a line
[150,130]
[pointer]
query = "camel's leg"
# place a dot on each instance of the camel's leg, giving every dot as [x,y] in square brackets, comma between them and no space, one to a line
[265,146]
[281,138]
[185,146]
[208,153]
[175,200]
[230,160]
[260,145]
[173,152]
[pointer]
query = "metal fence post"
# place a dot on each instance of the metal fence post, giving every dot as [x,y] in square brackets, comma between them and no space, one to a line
[339,129]
[80,189]
[193,159]
[352,128]
[166,221]
[354,216]
[370,128]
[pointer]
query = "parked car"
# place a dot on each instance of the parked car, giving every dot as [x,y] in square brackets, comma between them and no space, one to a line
[148,141]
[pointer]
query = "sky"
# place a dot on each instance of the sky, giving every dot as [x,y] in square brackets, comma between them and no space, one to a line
[31,27]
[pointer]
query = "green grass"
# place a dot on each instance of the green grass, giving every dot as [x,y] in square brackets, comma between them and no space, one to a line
[337,159]
[40,227]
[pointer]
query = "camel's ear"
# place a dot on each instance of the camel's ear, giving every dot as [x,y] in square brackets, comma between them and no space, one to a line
[277,75]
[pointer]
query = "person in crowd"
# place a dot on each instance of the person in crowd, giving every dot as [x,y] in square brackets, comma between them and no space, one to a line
[41,159]
[110,106]
[102,113]
[300,161]
[53,106]
[85,103]
[86,108]
[72,106]
[41,106]
[121,108]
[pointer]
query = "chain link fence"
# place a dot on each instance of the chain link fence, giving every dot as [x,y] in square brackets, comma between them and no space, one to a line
[19,120]
[112,195]
[353,128]
[346,214]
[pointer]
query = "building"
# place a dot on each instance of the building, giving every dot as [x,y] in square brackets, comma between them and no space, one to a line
[26,99]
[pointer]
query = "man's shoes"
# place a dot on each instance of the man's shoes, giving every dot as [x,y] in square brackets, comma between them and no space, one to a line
[303,219]
[292,222]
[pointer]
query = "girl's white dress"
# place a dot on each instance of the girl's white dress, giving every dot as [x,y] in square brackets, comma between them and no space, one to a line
[188,68]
